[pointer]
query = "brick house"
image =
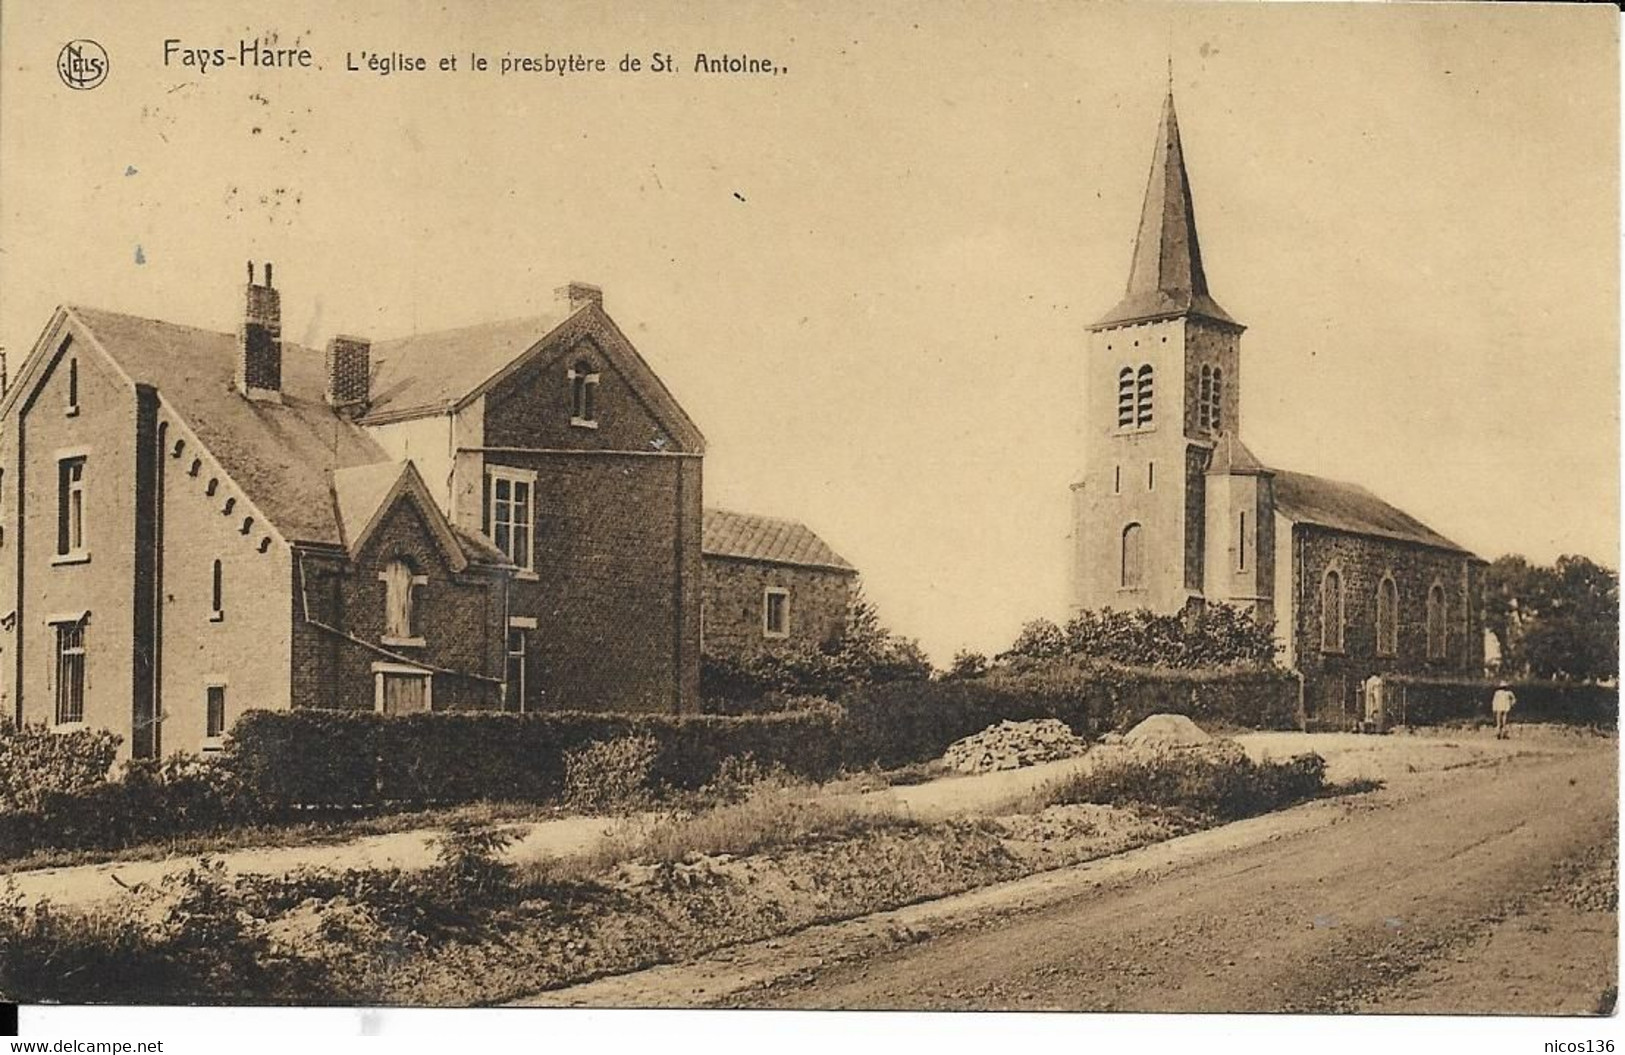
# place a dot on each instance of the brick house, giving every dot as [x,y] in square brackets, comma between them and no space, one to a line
[770,584]
[193,523]
[1173,509]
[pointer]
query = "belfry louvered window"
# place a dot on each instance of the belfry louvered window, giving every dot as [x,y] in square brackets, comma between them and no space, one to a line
[1125,397]
[1143,397]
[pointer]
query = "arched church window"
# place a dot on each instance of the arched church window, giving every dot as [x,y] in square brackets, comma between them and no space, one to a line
[1143,396]
[1125,397]
[1216,400]
[1133,558]
[1436,622]
[1204,399]
[1387,617]
[1331,612]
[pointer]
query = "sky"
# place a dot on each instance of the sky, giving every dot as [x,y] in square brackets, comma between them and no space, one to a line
[868,277]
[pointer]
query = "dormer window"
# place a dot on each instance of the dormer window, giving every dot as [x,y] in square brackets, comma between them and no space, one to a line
[400,580]
[583,380]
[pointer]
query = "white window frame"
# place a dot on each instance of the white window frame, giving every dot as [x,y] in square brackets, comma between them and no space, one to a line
[81,553]
[493,473]
[768,593]
[413,581]
[524,624]
[58,623]
[589,380]
[380,669]
[211,744]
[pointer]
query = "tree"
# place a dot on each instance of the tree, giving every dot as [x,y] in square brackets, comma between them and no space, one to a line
[1557,621]
[966,664]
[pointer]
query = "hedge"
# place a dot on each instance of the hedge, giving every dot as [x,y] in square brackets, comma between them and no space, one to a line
[1433,701]
[360,758]
[905,722]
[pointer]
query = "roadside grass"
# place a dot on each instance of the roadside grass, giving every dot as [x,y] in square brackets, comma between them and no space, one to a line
[1214,784]
[771,816]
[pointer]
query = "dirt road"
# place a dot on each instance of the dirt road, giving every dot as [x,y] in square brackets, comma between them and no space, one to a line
[1430,895]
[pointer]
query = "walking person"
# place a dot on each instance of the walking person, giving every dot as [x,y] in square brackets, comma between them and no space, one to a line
[1502,703]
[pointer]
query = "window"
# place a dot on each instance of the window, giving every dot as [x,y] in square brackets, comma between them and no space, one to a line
[1125,397]
[1133,558]
[217,594]
[1143,397]
[1117,481]
[1331,612]
[1241,541]
[518,640]
[70,672]
[1387,617]
[1436,622]
[1216,401]
[510,513]
[73,386]
[1150,476]
[401,689]
[1204,399]
[70,507]
[400,618]
[776,612]
[583,394]
[214,721]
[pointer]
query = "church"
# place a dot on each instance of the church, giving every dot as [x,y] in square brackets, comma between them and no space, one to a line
[1173,510]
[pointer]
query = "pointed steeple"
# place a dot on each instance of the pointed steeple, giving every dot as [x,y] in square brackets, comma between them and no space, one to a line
[1166,278]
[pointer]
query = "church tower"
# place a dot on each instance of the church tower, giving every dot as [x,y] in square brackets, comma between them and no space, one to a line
[1163,392]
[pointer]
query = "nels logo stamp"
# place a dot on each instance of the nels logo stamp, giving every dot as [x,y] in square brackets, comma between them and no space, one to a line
[82,64]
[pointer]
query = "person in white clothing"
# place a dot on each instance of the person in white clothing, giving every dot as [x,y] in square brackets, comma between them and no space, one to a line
[1502,703]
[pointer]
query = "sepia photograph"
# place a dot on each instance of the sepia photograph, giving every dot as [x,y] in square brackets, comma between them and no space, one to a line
[1105,509]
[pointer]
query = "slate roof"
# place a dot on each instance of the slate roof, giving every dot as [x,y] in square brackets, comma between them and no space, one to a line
[1349,507]
[1166,279]
[746,536]
[431,372]
[283,456]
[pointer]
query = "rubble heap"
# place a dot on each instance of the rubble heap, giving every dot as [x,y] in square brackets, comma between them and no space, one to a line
[1166,730]
[1012,745]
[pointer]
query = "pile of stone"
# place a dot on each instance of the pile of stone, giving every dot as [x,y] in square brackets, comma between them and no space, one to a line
[1162,733]
[1012,745]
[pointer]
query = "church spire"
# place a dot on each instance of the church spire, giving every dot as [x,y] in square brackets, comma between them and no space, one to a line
[1166,278]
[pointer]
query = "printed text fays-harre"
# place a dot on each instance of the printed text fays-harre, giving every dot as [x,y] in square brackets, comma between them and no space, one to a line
[249,53]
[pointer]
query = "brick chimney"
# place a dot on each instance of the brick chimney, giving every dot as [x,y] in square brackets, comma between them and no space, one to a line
[259,342]
[349,370]
[578,295]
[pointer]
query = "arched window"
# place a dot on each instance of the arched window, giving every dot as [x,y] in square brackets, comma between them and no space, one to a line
[1216,400]
[1133,562]
[583,393]
[1143,397]
[400,615]
[217,603]
[1204,399]
[1331,612]
[1125,397]
[1387,617]
[1436,622]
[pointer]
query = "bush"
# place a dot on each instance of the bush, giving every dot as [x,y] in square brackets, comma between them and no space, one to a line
[1217,785]
[36,762]
[611,776]
[1212,635]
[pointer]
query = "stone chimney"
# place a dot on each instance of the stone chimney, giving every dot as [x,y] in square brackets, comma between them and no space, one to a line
[349,371]
[578,295]
[259,342]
